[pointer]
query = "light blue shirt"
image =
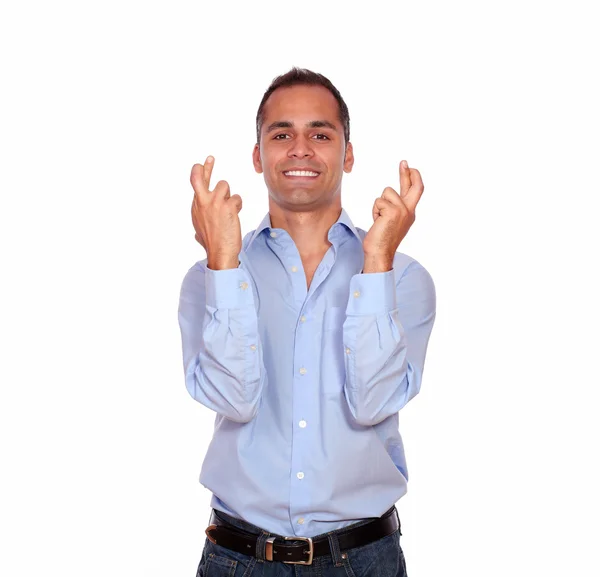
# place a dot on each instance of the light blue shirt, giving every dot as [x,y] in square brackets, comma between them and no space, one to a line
[306,383]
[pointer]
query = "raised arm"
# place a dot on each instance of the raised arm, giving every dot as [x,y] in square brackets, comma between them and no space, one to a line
[222,353]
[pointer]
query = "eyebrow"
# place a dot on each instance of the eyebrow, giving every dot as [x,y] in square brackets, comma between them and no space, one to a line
[311,124]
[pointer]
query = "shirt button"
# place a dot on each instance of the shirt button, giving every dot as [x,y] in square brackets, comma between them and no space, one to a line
[302,318]
[302,424]
[302,371]
[294,269]
[347,351]
[253,347]
[244,285]
[273,234]
[300,475]
[356,294]
[301,520]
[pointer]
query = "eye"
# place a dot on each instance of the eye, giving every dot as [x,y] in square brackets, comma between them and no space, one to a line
[282,134]
[323,135]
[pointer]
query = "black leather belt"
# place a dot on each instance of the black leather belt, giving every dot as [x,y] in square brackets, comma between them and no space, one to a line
[303,550]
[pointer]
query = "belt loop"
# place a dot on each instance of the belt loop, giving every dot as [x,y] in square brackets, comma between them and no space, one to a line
[261,544]
[334,545]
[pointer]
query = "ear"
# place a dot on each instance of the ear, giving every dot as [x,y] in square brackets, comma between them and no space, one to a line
[349,159]
[256,159]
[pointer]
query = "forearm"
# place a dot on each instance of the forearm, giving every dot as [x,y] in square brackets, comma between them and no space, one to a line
[375,349]
[222,351]
[386,335]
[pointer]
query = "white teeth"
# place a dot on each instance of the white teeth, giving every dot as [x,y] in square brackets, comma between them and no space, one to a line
[301,173]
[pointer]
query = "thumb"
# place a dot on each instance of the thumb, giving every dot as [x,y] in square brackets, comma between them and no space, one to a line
[236,200]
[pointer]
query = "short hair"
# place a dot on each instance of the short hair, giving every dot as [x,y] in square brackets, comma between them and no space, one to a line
[302,76]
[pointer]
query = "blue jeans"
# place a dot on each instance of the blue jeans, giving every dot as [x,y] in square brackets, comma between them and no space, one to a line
[381,558]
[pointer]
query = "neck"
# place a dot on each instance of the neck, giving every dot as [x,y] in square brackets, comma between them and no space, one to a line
[308,229]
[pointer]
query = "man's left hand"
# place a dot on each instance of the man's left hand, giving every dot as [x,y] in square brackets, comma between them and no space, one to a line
[393,215]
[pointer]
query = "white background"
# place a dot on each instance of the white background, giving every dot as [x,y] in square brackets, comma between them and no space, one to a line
[106,106]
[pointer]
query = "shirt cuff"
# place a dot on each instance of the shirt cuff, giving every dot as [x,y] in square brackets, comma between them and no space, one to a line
[228,289]
[372,294]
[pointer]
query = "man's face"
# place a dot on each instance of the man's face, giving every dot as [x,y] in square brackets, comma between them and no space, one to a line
[302,132]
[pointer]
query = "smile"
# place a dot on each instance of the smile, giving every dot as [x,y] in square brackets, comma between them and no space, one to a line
[301,173]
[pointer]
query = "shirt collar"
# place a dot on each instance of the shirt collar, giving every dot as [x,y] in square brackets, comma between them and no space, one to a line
[343,219]
[265,223]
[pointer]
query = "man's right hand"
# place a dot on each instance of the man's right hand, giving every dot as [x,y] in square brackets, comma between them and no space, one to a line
[215,218]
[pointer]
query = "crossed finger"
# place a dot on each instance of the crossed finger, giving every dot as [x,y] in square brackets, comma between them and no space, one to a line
[411,186]
[208,168]
[200,177]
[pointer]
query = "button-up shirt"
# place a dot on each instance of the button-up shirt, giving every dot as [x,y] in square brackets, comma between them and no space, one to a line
[306,383]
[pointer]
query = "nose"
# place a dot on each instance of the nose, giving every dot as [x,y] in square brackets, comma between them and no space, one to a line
[300,147]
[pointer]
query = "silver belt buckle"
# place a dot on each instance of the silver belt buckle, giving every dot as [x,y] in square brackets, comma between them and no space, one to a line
[310,550]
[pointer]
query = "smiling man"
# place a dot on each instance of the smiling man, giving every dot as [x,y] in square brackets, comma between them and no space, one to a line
[306,337]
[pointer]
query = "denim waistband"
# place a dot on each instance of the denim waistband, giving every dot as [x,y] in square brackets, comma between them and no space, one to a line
[244,525]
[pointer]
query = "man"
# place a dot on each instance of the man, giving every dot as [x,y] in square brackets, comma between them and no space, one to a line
[306,337]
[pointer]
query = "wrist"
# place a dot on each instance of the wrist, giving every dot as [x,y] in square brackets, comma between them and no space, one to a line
[223,263]
[377,263]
